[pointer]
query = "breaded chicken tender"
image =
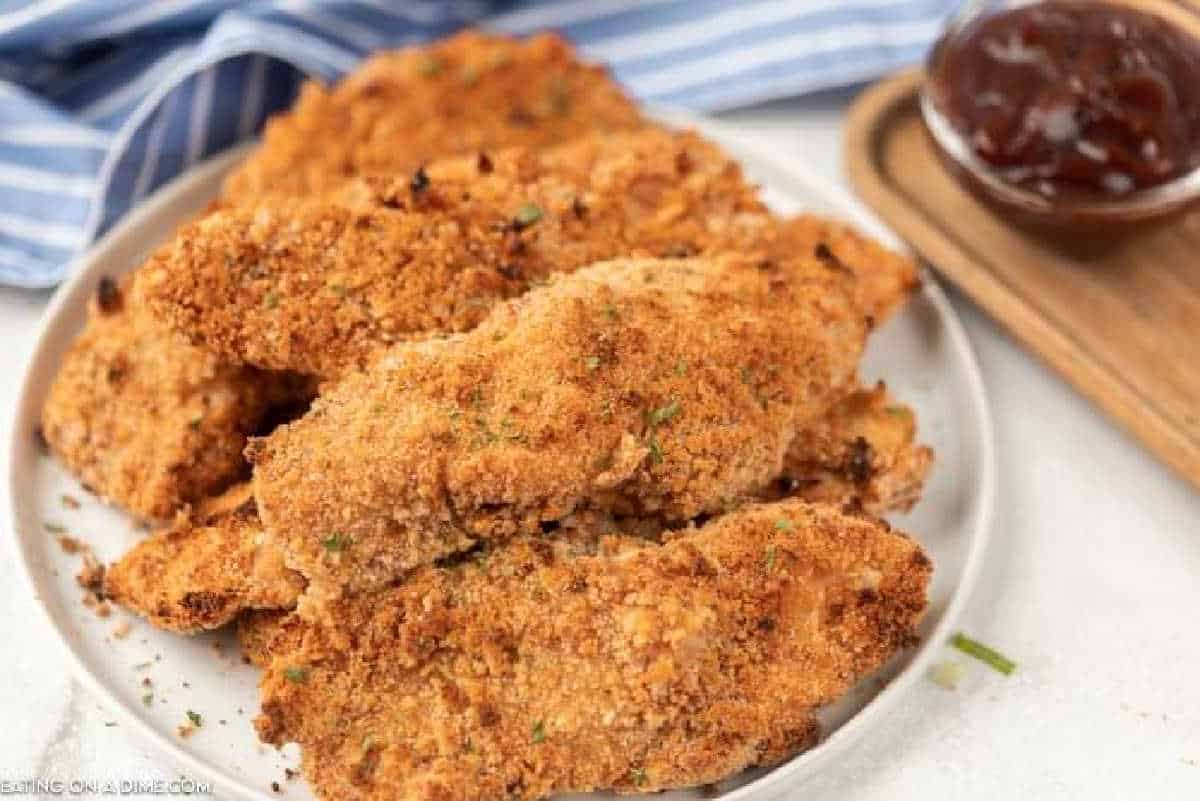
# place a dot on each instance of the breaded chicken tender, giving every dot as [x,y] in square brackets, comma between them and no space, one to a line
[861,453]
[665,388]
[204,570]
[885,278]
[148,421]
[534,671]
[320,285]
[153,423]
[465,94]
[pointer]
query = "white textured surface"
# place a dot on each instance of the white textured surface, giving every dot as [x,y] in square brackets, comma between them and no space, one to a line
[1091,585]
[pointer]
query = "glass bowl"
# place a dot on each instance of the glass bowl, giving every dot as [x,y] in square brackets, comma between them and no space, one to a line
[1093,214]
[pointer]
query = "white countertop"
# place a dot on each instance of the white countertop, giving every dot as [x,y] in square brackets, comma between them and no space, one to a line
[1092,584]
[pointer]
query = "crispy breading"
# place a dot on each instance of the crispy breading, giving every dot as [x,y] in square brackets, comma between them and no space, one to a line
[122,414]
[461,95]
[655,387]
[319,285]
[885,278]
[862,453]
[202,571]
[536,672]
[146,420]
[859,454]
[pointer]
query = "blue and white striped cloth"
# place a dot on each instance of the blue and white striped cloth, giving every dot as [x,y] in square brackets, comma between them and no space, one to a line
[102,101]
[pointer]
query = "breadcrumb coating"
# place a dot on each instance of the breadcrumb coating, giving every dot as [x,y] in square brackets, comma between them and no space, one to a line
[147,421]
[465,94]
[535,671]
[859,455]
[320,285]
[862,453]
[663,388]
[122,414]
[204,570]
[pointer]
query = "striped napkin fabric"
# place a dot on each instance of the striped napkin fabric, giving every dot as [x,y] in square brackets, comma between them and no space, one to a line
[103,101]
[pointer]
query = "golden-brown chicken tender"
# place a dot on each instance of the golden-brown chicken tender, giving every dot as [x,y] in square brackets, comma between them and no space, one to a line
[201,572]
[146,420]
[152,423]
[533,671]
[319,285]
[466,94]
[862,453]
[885,278]
[661,387]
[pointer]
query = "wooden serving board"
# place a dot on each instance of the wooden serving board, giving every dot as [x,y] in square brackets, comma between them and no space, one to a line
[1122,326]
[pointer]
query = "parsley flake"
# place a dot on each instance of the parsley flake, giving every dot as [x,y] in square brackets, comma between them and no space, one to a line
[638,775]
[195,719]
[335,543]
[296,675]
[783,524]
[527,215]
[539,732]
[592,363]
[663,413]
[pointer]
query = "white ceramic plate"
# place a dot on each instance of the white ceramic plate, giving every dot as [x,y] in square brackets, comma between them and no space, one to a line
[922,353]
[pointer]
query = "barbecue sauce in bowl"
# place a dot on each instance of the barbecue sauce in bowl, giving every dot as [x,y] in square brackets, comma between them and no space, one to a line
[1071,103]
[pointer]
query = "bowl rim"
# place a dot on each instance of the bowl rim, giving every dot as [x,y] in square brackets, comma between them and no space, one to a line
[1140,204]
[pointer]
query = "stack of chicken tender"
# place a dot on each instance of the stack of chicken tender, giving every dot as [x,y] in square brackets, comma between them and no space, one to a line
[522,443]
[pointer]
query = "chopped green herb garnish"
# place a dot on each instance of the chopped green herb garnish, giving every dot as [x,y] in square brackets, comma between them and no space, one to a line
[335,543]
[195,719]
[989,656]
[662,414]
[338,290]
[610,311]
[271,300]
[108,724]
[527,215]
[148,699]
[296,675]
[772,554]
[656,454]
[638,776]
[539,732]
[681,368]
[54,528]
[592,362]
[783,524]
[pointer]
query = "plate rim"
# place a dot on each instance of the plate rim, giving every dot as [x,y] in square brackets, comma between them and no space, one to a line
[787,775]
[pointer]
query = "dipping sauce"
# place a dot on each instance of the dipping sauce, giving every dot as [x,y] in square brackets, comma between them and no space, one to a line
[1068,97]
